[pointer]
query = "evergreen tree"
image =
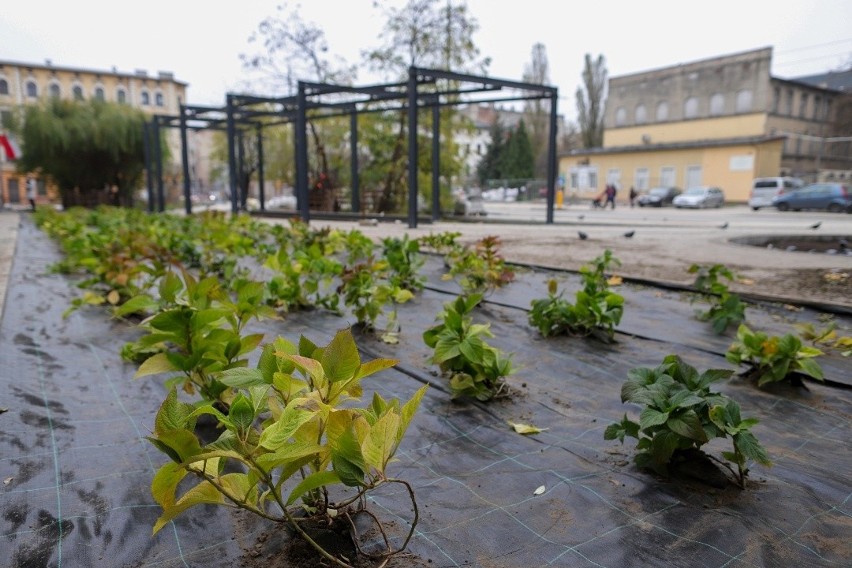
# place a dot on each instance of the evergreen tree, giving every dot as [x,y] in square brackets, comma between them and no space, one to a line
[518,161]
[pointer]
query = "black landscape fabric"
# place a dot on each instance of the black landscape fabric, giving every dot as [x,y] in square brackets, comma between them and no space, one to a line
[76,469]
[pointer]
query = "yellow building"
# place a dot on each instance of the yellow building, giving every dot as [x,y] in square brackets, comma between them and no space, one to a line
[27,83]
[720,122]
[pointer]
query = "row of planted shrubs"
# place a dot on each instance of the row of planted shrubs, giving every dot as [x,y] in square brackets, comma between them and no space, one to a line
[194,284]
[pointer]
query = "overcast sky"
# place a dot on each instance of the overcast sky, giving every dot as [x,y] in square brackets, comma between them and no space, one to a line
[200,41]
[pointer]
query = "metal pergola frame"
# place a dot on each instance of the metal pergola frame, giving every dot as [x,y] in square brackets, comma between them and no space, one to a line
[424,89]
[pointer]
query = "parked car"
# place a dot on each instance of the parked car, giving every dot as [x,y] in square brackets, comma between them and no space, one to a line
[834,197]
[764,190]
[700,197]
[658,197]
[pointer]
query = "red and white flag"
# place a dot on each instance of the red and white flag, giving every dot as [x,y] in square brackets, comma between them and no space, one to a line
[10,148]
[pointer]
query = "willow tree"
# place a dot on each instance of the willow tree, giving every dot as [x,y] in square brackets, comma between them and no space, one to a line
[92,150]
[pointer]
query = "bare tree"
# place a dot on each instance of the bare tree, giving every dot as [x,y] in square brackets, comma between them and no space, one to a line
[537,111]
[591,100]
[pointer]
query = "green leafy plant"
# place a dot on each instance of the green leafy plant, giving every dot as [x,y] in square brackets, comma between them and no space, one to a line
[367,288]
[404,261]
[680,414]
[291,437]
[474,368]
[596,310]
[200,334]
[726,308]
[441,243]
[774,358]
[480,269]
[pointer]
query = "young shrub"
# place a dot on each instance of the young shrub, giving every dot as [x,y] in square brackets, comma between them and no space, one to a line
[474,368]
[200,334]
[826,337]
[726,308]
[772,358]
[680,414]
[291,439]
[441,243]
[366,288]
[404,261]
[596,311]
[479,270]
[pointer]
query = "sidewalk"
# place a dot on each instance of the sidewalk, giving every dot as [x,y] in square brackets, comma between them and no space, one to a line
[9,221]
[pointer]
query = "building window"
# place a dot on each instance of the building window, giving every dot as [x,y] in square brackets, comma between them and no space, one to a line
[717,104]
[667,176]
[803,105]
[41,187]
[77,92]
[158,98]
[776,100]
[32,89]
[4,87]
[817,105]
[99,93]
[744,100]
[55,91]
[620,117]
[789,106]
[827,109]
[641,114]
[146,99]
[662,111]
[690,107]
[121,96]
[642,177]
[613,177]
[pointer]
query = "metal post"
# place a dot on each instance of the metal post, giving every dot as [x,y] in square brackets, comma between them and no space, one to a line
[551,157]
[302,155]
[232,155]
[412,148]
[149,174]
[158,154]
[241,167]
[260,180]
[436,160]
[353,161]
[184,158]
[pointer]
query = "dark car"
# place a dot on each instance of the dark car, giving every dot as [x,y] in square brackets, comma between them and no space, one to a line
[834,197]
[658,197]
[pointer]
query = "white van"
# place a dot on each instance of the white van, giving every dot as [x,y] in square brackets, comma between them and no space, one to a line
[764,190]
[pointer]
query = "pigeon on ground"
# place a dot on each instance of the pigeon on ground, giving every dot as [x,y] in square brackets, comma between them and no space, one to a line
[843,244]
[583,236]
[629,234]
[816,225]
[581,217]
[724,225]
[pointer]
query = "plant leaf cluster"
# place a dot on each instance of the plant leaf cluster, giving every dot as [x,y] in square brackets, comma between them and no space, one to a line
[291,434]
[680,414]
[480,269]
[595,311]
[726,308]
[773,358]
[474,368]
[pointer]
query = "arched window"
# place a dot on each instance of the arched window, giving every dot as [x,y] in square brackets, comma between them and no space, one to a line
[620,117]
[32,89]
[55,90]
[4,87]
[121,95]
[641,114]
[717,104]
[690,107]
[146,99]
[77,92]
[99,93]
[744,101]
[662,111]
[158,99]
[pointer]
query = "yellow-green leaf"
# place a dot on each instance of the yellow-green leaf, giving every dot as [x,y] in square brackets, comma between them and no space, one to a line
[154,365]
[526,429]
